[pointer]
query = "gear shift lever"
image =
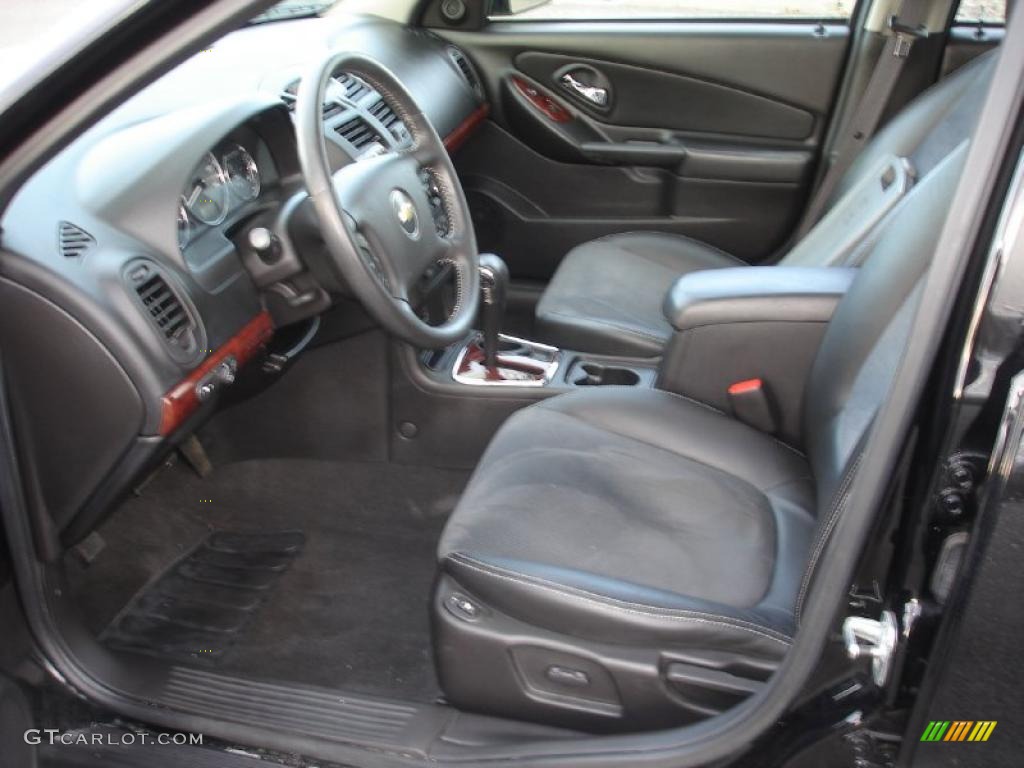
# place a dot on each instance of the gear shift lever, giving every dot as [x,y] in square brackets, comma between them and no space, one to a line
[493,292]
[523,363]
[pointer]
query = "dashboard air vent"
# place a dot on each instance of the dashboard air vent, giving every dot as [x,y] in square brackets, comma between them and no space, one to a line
[358,132]
[290,94]
[73,241]
[461,61]
[354,87]
[165,309]
[387,117]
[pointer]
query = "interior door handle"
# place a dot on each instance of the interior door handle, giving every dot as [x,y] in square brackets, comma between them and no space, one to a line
[592,93]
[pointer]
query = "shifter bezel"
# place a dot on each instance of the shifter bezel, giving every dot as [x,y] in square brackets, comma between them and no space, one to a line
[545,359]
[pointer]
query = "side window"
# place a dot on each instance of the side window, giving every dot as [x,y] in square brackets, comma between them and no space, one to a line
[981,12]
[595,10]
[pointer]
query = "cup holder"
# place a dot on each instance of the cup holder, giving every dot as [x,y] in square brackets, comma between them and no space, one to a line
[595,375]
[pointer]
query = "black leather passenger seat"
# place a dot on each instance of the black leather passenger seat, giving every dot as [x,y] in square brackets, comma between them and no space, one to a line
[630,558]
[606,295]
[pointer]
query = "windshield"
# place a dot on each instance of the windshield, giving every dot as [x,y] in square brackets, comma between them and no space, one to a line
[294,9]
[31,30]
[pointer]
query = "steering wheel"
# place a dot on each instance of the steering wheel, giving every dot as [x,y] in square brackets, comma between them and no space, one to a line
[375,215]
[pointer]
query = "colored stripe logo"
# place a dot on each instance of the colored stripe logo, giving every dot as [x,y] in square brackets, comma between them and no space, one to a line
[959,730]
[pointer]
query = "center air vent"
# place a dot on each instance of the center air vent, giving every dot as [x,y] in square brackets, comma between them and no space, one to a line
[73,241]
[354,87]
[290,95]
[383,112]
[164,309]
[461,62]
[358,132]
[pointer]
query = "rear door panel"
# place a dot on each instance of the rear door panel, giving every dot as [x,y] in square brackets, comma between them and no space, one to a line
[710,130]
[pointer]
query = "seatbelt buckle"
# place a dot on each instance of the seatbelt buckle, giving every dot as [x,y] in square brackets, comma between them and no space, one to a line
[906,34]
[750,404]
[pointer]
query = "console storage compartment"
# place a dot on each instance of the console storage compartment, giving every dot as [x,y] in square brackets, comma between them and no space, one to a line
[758,327]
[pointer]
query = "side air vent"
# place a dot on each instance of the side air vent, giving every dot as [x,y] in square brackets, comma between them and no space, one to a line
[387,117]
[461,62]
[164,309]
[74,242]
[358,132]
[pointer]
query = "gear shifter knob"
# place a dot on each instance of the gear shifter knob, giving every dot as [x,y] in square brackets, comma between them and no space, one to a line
[493,293]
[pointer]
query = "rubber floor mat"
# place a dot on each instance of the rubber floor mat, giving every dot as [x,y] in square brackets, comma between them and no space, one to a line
[202,603]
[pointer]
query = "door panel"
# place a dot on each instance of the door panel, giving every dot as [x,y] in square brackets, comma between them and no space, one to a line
[533,210]
[704,129]
[684,103]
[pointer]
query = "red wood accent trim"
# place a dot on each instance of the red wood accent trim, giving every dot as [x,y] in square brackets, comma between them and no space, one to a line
[543,101]
[466,128]
[181,401]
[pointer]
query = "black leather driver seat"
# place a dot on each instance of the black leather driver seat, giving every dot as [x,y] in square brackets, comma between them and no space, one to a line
[606,295]
[628,557]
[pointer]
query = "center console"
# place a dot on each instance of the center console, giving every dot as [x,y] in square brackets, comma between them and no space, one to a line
[523,363]
[744,340]
[446,404]
[490,358]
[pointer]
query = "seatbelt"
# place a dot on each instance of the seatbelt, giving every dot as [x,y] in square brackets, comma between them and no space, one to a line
[907,26]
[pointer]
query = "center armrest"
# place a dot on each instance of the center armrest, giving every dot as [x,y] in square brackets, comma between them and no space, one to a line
[750,294]
[736,325]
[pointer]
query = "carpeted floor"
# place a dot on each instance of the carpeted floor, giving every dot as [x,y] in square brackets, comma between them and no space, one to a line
[352,610]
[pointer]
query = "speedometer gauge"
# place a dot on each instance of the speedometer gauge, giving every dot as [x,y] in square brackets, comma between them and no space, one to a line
[206,196]
[184,227]
[242,172]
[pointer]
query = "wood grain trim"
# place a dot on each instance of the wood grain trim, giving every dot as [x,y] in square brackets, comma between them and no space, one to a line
[466,128]
[181,401]
[542,101]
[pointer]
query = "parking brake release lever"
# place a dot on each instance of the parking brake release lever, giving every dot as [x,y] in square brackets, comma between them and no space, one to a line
[494,279]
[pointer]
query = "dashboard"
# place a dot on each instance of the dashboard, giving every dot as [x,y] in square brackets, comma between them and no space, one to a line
[130,288]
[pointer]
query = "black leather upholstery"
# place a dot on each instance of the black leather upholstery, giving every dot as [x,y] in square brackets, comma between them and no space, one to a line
[590,516]
[761,323]
[606,295]
[610,535]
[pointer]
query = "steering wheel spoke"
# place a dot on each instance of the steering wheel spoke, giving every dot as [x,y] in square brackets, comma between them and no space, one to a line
[426,155]
[378,217]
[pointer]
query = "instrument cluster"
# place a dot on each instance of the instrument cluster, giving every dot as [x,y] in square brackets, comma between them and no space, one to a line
[224,181]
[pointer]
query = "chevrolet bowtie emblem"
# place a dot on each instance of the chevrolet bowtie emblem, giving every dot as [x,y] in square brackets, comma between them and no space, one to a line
[405,210]
[406,213]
